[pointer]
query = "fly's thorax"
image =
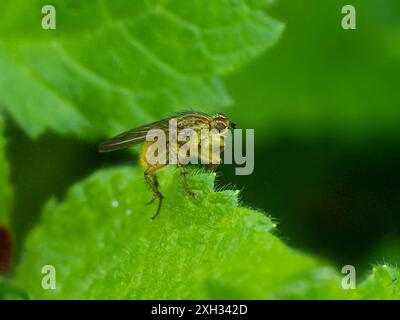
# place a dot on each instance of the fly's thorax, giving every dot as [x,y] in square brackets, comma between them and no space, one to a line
[186,145]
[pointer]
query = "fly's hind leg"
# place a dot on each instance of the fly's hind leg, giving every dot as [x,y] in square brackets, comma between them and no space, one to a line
[152,182]
[185,180]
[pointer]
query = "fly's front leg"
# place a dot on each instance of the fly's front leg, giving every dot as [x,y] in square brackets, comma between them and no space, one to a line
[152,182]
[212,167]
[185,180]
[212,159]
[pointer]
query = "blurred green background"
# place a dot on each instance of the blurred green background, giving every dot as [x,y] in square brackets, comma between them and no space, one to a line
[325,105]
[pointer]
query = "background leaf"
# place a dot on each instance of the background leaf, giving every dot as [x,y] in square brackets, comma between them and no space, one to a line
[208,247]
[9,291]
[5,188]
[321,80]
[113,65]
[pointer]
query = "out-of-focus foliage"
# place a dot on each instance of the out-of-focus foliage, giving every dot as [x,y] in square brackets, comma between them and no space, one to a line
[323,80]
[102,243]
[113,65]
[5,189]
[8,290]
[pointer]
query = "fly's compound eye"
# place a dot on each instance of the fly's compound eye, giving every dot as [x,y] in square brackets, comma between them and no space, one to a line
[220,126]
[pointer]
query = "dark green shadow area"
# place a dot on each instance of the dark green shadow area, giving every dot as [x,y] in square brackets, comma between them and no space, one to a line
[336,200]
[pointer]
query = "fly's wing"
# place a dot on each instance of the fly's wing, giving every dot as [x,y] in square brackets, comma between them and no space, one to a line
[138,135]
[132,137]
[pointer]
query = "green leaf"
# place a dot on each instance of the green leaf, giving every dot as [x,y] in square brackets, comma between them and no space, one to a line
[8,290]
[5,188]
[383,283]
[103,244]
[112,65]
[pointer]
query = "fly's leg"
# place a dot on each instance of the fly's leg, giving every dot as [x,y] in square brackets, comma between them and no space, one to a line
[185,180]
[152,182]
[213,159]
[212,167]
